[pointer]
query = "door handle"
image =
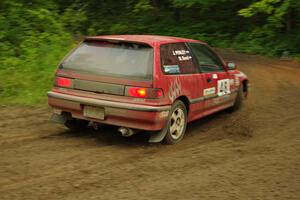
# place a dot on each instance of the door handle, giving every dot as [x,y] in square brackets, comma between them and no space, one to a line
[208,80]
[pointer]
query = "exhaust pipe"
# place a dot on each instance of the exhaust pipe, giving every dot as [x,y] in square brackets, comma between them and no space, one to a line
[126,132]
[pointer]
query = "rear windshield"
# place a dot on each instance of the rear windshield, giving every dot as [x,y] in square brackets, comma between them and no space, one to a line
[118,59]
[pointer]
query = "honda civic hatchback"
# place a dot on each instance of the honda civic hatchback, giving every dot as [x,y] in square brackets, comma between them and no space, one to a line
[144,82]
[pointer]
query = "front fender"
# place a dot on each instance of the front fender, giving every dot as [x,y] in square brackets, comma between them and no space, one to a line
[244,81]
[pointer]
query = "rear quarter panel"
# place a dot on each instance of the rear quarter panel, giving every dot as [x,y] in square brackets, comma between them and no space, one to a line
[175,86]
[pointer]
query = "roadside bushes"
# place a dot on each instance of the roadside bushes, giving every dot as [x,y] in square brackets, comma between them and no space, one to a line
[36,34]
[32,40]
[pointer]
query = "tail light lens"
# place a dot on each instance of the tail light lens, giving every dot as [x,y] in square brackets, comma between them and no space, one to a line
[63,82]
[151,93]
[137,92]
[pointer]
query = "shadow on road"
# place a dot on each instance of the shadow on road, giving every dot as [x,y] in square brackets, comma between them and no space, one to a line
[108,135]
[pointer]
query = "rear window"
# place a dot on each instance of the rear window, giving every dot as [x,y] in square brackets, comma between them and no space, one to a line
[120,59]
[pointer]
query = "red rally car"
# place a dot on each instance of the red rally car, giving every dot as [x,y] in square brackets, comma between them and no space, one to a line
[144,82]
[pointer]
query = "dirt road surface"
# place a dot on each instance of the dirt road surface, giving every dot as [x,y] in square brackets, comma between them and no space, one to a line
[251,154]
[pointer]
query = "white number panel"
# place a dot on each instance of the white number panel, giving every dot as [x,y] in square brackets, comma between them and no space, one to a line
[223,87]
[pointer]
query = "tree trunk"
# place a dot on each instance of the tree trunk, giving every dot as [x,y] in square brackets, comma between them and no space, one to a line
[289,21]
[177,15]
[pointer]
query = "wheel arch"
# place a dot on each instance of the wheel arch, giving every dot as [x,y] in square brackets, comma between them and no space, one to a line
[245,84]
[186,102]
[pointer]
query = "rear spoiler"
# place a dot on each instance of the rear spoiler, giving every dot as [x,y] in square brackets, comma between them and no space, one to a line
[114,40]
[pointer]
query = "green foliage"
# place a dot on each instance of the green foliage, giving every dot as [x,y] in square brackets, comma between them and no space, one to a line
[279,31]
[73,19]
[263,6]
[191,3]
[32,42]
[275,9]
[35,35]
[142,6]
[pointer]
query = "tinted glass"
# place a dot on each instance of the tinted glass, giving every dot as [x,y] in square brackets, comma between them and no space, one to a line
[207,60]
[176,59]
[112,59]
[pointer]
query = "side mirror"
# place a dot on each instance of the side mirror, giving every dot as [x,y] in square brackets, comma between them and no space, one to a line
[231,65]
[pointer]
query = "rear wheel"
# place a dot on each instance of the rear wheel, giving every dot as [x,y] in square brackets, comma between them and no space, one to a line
[176,124]
[76,124]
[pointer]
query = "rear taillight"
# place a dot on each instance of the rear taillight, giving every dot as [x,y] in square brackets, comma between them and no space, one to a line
[159,93]
[63,82]
[137,92]
[151,93]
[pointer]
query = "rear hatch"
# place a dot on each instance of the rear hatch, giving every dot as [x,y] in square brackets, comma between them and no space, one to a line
[107,67]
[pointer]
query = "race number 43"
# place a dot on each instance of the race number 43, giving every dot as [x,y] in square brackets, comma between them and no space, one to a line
[223,87]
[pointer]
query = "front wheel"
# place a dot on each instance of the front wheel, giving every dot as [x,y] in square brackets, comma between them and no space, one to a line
[238,101]
[176,124]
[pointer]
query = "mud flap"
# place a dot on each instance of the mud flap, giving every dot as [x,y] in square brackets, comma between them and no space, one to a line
[59,118]
[159,135]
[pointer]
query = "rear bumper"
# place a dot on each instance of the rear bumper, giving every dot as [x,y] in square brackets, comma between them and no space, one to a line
[116,113]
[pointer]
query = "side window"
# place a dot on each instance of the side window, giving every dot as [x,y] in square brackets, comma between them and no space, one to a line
[207,60]
[176,58]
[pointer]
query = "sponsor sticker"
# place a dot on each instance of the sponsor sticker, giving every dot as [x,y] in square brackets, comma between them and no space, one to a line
[215,76]
[180,52]
[182,55]
[184,58]
[163,114]
[223,87]
[237,80]
[209,91]
[172,69]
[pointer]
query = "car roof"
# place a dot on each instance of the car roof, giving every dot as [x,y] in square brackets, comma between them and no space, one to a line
[151,40]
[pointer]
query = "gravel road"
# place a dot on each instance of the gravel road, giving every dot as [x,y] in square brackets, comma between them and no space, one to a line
[250,154]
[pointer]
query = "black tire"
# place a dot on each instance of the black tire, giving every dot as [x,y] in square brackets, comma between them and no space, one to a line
[76,124]
[178,110]
[238,100]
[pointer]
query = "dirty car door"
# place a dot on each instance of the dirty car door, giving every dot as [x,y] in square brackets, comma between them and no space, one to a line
[216,91]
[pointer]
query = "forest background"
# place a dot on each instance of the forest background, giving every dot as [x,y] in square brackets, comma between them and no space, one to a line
[36,34]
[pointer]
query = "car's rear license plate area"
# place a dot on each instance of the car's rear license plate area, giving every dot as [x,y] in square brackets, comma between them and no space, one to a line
[93,112]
